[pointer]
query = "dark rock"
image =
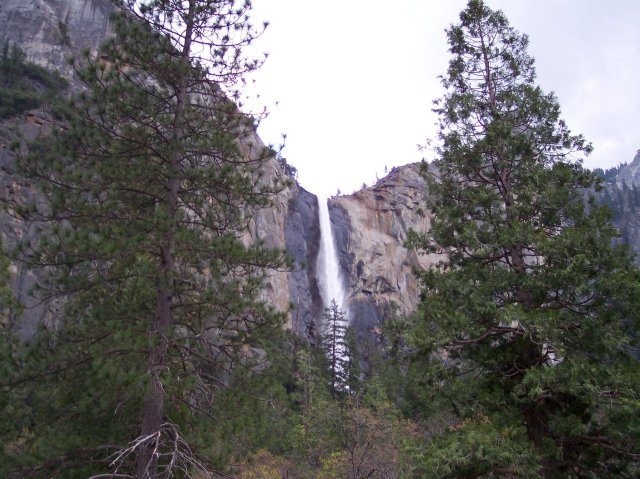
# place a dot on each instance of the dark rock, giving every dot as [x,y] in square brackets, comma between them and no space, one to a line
[302,241]
[341,226]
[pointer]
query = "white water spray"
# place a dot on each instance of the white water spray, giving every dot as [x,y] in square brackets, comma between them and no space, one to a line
[332,288]
[328,267]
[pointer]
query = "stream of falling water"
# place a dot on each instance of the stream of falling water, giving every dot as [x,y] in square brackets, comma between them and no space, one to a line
[332,285]
[328,267]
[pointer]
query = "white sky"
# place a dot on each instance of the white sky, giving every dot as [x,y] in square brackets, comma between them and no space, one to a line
[354,79]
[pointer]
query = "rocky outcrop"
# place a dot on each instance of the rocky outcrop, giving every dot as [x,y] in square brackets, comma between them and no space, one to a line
[371,228]
[621,193]
[51,32]
[629,174]
[291,223]
[302,242]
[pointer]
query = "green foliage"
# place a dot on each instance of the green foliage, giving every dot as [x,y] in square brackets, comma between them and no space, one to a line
[259,409]
[67,410]
[9,307]
[288,169]
[284,420]
[352,436]
[352,373]
[24,85]
[337,344]
[148,194]
[525,323]
[476,447]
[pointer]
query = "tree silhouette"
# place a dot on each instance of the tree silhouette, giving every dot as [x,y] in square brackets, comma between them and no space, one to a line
[148,187]
[532,304]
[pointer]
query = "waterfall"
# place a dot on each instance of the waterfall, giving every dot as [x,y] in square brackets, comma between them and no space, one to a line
[332,288]
[328,267]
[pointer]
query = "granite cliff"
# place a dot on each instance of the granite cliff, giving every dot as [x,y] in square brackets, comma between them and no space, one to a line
[51,33]
[370,226]
[621,192]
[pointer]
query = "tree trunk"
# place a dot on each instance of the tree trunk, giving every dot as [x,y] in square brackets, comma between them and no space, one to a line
[530,356]
[153,408]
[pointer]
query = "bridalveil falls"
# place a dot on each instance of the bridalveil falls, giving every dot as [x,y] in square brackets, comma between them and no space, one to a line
[328,267]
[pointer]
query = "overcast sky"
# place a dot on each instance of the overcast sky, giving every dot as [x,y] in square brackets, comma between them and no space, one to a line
[354,79]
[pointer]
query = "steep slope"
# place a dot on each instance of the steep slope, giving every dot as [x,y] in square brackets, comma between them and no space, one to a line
[371,228]
[621,193]
[51,32]
[629,174]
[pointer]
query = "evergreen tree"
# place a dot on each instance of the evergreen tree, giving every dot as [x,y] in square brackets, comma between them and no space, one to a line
[525,321]
[352,370]
[24,85]
[335,347]
[149,189]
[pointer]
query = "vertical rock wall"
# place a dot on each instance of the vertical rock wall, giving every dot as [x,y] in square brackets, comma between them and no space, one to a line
[13,231]
[51,32]
[371,228]
[624,190]
[302,241]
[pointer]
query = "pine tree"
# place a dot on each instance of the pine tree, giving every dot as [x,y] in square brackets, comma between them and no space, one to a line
[352,370]
[149,189]
[526,319]
[24,85]
[335,347]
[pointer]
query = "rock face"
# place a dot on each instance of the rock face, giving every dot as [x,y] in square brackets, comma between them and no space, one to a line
[302,242]
[622,194]
[371,228]
[291,223]
[629,174]
[51,32]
